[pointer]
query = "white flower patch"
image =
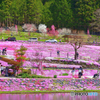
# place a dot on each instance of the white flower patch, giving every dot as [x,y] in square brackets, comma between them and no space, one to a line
[10,57]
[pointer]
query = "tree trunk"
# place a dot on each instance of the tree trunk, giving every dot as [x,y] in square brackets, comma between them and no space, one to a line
[7,22]
[10,22]
[75,57]
[0,24]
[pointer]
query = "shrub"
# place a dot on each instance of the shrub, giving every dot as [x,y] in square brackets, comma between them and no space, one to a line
[20,74]
[65,62]
[65,74]
[20,28]
[26,71]
[38,76]
[26,75]
[55,76]
[84,89]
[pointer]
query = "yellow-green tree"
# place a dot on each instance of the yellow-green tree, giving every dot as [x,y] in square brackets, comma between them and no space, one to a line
[20,55]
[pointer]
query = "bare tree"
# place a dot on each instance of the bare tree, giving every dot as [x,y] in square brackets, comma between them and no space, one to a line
[76,41]
[38,60]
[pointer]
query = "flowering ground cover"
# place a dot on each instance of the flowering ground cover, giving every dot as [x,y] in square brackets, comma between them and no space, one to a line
[59,72]
[46,65]
[46,48]
[87,53]
[26,84]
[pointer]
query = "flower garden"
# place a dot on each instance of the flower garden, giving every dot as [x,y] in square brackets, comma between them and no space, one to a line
[53,65]
[26,84]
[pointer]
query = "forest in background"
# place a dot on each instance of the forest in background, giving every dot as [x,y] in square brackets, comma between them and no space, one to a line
[74,14]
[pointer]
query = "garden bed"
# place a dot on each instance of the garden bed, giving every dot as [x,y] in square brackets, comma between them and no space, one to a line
[26,84]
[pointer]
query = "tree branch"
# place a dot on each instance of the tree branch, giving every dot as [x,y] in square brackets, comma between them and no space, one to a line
[72,44]
[79,46]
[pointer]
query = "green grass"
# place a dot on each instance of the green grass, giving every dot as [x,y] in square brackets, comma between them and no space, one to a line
[25,36]
[22,36]
[26,75]
[65,74]
[3,55]
[45,91]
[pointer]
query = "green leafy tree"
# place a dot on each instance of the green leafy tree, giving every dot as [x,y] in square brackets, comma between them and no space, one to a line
[84,12]
[23,12]
[5,11]
[16,11]
[98,3]
[20,55]
[34,10]
[45,1]
[95,23]
[46,14]
[61,13]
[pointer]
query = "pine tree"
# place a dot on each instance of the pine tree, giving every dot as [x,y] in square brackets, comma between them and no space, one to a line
[61,13]
[34,11]
[5,11]
[84,12]
[46,15]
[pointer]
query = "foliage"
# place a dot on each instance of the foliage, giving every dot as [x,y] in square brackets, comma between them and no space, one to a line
[20,55]
[46,14]
[26,71]
[34,11]
[75,14]
[26,75]
[65,74]
[61,13]
[55,76]
[95,23]
[84,12]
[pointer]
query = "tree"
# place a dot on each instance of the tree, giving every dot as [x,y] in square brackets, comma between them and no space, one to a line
[98,3]
[46,14]
[84,12]
[53,33]
[5,11]
[20,55]
[61,13]
[37,60]
[76,41]
[34,11]
[95,24]
[16,11]
[45,1]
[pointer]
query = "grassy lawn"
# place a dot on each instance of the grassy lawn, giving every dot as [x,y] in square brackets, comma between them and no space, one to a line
[59,91]
[41,37]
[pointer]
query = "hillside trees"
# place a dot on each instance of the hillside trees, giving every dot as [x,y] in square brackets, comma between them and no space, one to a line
[46,14]
[34,11]
[76,14]
[5,15]
[84,12]
[61,13]
[95,24]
